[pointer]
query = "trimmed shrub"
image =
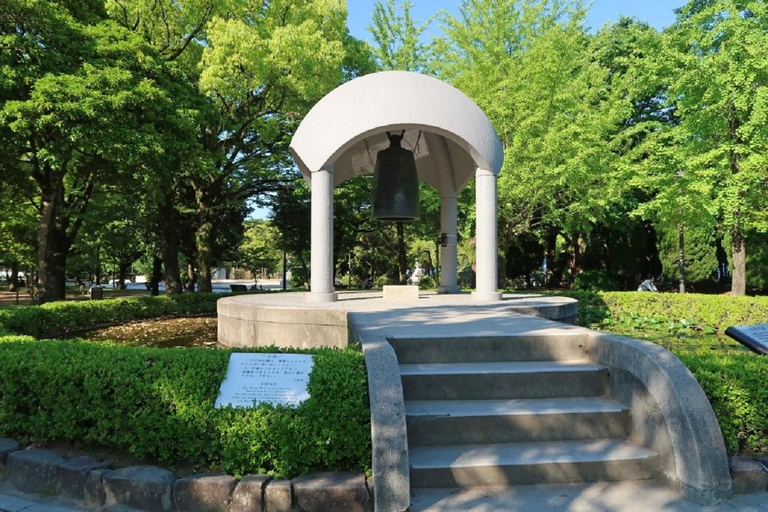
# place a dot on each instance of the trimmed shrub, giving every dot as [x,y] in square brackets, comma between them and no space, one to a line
[56,318]
[426,283]
[716,311]
[159,404]
[737,388]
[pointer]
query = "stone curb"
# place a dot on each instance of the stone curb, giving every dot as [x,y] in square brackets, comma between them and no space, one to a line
[748,475]
[149,488]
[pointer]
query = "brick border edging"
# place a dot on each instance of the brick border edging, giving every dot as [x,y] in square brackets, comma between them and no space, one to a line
[94,483]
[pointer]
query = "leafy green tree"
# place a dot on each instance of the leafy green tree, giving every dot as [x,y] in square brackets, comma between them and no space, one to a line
[291,216]
[699,259]
[85,106]
[251,63]
[259,249]
[18,223]
[397,36]
[718,88]
[546,95]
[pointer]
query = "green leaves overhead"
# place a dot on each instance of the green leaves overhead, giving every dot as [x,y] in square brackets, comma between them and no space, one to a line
[279,46]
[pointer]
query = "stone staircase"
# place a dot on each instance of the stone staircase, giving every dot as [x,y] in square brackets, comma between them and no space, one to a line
[501,411]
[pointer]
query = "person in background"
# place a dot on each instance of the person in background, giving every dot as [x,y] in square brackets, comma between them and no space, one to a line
[647,285]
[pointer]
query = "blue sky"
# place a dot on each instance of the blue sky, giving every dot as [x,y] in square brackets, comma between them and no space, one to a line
[658,13]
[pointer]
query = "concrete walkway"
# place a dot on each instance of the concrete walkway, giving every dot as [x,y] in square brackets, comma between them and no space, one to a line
[10,503]
[642,496]
[628,496]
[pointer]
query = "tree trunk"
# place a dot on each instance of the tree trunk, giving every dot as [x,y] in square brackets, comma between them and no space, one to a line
[551,277]
[739,278]
[157,275]
[122,273]
[576,256]
[13,282]
[52,246]
[681,256]
[191,277]
[402,260]
[169,247]
[204,241]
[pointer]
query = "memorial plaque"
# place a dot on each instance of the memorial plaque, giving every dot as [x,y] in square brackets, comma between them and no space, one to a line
[754,337]
[277,379]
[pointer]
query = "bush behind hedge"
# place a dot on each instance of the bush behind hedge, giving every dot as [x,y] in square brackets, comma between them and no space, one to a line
[159,404]
[716,311]
[56,318]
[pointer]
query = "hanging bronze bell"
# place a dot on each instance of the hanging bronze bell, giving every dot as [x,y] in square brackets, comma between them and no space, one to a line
[395,183]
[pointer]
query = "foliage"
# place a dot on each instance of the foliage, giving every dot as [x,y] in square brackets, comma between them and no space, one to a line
[259,248]
[717,87]
[700,257]
[715,311]
[59,317]
[159,404]
[396,36]
[737,388]
[426,283]
[595,280]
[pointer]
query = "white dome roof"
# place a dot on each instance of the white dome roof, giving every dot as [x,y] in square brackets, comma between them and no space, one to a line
[449,134]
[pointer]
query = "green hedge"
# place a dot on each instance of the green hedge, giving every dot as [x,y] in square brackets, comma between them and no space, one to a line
[715,311]
[59,317]
[737,388]
[159,404]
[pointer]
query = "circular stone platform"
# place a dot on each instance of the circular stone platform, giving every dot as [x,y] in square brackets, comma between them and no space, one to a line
[288,320]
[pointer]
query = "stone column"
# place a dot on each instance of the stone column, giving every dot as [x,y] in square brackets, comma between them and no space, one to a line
[485,243]
[321,278]
[449,253]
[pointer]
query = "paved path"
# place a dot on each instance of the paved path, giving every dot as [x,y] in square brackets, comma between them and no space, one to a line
[10,503]
[629,496]
[640,496]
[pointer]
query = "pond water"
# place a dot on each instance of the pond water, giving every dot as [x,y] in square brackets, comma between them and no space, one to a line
[165,333]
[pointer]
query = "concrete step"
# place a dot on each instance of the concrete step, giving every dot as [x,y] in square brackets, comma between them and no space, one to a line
[499,381]
[530,463]
[629,496]
[566,347]
[443,422]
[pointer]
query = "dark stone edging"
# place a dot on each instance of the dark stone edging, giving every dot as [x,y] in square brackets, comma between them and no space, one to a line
[95,484]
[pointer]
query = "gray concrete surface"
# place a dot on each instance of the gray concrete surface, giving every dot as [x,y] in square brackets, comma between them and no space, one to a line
[632,496]
[529,463]
[290,320]
[448,422]
[701,462]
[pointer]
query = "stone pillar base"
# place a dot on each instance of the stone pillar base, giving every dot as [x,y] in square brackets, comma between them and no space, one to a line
[449,289]
[317,297]
[486,296]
